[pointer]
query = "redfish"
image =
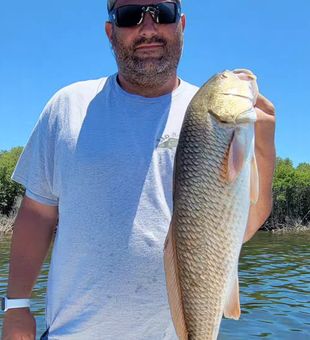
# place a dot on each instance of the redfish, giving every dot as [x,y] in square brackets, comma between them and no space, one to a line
[215,182]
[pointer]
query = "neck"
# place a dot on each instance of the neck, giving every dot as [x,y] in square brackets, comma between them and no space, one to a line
[149,91]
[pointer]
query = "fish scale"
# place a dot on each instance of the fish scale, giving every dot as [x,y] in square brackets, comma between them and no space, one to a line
[211,308]
[209,213]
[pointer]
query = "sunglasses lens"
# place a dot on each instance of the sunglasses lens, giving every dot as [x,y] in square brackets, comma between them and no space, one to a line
[127,16]
[167,13]
[131,15]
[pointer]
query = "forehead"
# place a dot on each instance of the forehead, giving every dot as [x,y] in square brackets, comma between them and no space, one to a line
[138,2]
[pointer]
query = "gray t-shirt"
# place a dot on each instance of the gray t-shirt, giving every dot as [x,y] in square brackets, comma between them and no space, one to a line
[105,158]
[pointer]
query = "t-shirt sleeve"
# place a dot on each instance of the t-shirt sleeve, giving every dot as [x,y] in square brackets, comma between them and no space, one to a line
[35,167]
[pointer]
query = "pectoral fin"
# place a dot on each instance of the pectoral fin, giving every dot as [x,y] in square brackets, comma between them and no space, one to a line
[240,148]
[173,286]
[236,155]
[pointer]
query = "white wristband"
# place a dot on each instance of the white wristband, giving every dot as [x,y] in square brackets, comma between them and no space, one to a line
[14,303]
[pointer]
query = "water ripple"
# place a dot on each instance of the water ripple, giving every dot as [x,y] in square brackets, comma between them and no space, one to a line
[274,289]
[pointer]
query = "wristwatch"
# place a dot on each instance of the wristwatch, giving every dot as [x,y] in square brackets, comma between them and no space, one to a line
[13,303]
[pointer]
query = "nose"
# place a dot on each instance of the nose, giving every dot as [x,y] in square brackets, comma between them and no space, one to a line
[148,27]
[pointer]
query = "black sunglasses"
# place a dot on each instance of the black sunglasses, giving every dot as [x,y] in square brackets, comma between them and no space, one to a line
[133,15]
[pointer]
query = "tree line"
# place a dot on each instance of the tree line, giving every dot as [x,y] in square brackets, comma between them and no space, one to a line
[291,190]
[291,195]
[9,190]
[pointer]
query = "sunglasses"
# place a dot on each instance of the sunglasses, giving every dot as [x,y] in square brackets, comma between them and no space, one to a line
[133,15]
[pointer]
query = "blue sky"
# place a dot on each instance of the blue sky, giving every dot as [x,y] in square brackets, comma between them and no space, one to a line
[47,45]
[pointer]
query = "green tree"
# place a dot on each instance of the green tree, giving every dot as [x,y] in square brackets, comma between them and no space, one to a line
[9,190]
[291,194]
[302,186]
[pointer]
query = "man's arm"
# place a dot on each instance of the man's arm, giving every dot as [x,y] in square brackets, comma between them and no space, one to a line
[265,158]
[33,232]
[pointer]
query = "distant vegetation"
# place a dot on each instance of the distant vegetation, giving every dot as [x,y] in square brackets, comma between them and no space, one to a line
[291,193]
[9,190]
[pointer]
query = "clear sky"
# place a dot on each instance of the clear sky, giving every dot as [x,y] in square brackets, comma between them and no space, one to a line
[45,45]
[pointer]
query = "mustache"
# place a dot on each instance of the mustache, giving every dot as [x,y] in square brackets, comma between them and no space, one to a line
[143,40]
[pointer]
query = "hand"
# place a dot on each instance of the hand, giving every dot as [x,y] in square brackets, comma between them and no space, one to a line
[264,126]
[19,324]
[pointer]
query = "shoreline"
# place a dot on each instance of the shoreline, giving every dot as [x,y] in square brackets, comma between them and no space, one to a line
[7,225]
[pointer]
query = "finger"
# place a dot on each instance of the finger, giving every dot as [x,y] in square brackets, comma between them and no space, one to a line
[265,105]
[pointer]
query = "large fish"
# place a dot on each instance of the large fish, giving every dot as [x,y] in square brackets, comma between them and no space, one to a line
[215,181]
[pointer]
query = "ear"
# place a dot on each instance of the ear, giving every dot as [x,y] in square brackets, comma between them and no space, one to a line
[108,30]
[183,21]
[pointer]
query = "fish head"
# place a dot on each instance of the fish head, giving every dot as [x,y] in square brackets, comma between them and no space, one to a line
[230,96]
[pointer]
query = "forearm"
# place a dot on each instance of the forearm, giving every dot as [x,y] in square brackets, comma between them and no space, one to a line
[32,236]
[265,158]
[261,210]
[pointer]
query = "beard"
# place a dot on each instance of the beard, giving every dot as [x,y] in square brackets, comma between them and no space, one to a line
[145,70]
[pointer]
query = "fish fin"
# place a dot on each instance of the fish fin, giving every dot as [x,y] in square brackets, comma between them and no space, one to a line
[173,286]
[236,156]
[232,304]
[254,193]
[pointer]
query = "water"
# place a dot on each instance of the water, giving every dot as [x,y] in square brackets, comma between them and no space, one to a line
[274,288]
[38,295]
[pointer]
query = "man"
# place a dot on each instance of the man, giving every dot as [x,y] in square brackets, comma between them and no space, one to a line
[100,162]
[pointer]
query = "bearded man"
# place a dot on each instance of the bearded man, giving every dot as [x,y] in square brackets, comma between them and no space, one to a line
[99,163]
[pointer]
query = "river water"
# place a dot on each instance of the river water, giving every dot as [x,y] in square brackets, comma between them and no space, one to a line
[274,276]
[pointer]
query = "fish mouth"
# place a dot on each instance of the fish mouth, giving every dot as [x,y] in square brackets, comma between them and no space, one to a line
[235,95]
[245,74]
